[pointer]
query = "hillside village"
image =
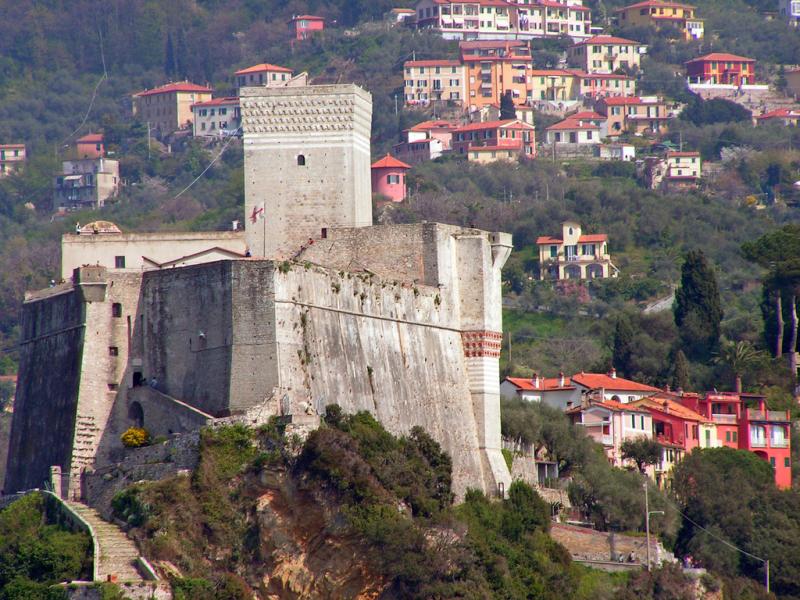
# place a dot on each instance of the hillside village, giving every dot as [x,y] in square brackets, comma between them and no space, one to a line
[579,219]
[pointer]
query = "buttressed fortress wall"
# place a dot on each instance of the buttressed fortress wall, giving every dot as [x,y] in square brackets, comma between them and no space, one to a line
[401,320]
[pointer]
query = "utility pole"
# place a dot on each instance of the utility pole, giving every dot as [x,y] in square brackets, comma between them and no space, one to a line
[766,564]
[647,523]
[509,348]
[148,140]
[648,512]
[395,105]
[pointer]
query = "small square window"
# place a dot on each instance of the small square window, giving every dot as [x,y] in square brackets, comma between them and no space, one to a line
[112,387]
[113,351]
[116,310]
[787,462]
[772,461]
[119,262]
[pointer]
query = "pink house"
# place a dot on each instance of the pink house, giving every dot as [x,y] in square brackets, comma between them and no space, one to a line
[610,423]
[304,26]
[389,178]
[90,146]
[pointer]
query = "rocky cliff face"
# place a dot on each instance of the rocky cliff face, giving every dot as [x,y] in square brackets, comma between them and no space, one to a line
[308,554]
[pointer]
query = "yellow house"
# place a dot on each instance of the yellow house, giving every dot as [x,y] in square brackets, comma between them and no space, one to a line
[555,84]
[658,14]
[169,107]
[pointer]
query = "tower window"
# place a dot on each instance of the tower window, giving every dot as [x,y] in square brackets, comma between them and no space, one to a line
[119,262]
[301,160]
[116,310]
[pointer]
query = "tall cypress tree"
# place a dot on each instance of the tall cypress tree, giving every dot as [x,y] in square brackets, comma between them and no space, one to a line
[169,57]
[680,370]
[698,311]
[507,109]
[623,346]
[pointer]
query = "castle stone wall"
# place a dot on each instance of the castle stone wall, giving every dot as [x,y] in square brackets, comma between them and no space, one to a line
[46,400]
[186,332]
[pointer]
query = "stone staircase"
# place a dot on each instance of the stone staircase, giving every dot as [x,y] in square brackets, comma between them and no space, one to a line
[84,446]
[116,553]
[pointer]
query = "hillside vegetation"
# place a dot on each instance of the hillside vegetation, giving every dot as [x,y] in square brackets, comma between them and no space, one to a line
[354,510]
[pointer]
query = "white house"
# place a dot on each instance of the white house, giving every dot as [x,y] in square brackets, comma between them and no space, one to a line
[217,117]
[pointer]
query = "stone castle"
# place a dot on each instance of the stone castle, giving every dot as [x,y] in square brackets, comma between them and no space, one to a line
[311,305]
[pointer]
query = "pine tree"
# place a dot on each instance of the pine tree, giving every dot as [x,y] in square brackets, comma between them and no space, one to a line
[507,110]
[698,311]
[623,346]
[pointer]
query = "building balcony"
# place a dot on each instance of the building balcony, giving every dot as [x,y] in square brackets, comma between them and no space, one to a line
[758,443]
[779,443]
[778,416]
[724,419]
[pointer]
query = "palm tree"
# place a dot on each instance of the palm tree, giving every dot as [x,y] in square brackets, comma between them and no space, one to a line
[739,356]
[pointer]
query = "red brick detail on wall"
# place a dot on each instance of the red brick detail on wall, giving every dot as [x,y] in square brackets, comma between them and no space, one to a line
[479,344]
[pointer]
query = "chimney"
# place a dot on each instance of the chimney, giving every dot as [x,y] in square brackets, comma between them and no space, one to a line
[666,389]
[613,373]
[561,379]
[535,381]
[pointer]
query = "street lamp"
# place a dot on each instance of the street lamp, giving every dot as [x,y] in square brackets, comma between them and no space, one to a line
[648,512]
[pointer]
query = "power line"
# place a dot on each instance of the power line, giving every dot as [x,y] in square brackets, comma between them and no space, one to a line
[215,159]
[94,93]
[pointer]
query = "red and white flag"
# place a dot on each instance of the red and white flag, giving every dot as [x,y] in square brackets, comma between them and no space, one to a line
[258,213]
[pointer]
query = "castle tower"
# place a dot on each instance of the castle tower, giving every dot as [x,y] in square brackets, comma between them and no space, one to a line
[306,164]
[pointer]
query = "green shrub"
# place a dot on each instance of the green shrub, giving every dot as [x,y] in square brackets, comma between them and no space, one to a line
[135,437]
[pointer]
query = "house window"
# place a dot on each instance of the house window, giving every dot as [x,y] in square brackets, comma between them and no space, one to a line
[787,462]
[113,351]
[393,179]
[735,436]
[772,461]
[727,436]
[301,160]
[633,421]
[642,421]
[553,251]
[119,262]
[116,310]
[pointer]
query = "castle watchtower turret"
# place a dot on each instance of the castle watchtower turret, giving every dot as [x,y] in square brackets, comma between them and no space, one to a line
[307,164]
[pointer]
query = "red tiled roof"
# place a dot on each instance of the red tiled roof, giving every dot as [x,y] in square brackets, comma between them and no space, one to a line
[12,145]
[553,4]
[481,2]
[672,154]
[308,18]
[720,56]
[263,68]
[8,378]
[546,384]
[491,125]
[553,73]
[648,3]
[91,138]
[570,123]
[587,114]
[546,239]
[780,113]
[432,63]
[429,125]
[629,100]
[389,162]
[668,406]
[619,406]
[218,101]
[607,39]
[595,381]
[181,86]
[588,238]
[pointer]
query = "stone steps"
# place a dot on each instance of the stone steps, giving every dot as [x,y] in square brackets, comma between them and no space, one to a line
[117,553]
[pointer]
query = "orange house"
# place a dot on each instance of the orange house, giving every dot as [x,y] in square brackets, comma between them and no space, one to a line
[492,67]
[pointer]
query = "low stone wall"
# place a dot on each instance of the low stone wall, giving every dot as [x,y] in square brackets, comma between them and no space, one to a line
[151,463]
[164,415]
[86,590]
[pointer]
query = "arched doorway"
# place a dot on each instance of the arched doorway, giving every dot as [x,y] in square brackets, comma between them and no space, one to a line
[594,272]
[572,272]
[136,414]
